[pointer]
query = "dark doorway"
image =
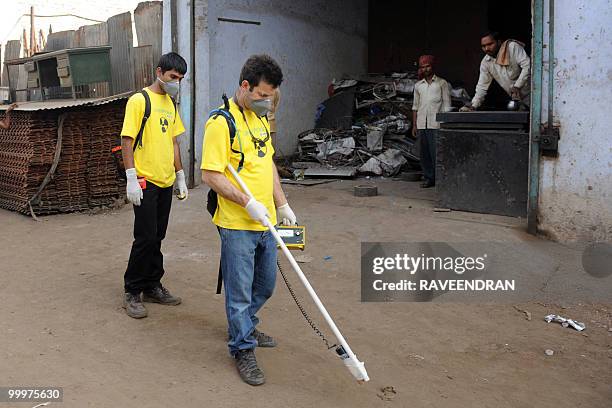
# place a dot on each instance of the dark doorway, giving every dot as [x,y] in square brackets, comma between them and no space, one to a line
[400,31]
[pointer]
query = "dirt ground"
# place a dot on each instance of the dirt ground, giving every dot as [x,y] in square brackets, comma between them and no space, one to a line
[63,325]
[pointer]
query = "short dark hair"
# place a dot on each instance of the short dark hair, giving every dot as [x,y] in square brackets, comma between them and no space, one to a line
[493,34]
[261,67]
[173,61]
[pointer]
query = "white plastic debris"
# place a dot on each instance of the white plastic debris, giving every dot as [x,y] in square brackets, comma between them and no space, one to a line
[387,163]
[343,146]
[579,326]
[549,352]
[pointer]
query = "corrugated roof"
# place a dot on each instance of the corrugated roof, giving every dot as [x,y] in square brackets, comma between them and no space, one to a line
[66,103]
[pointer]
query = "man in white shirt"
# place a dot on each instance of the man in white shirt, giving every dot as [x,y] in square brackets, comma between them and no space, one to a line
[431,95]
[508,64]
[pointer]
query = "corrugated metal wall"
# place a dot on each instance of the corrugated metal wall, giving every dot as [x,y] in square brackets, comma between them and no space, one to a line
[143,66]
[11,51]
[131,68]
[121,40]
[60,40]
[92,36]
[148,20]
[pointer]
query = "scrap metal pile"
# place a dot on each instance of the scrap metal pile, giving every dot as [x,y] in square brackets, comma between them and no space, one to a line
[33,179]
[365,127]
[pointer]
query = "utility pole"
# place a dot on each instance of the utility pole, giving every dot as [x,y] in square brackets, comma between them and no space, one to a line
[33,46]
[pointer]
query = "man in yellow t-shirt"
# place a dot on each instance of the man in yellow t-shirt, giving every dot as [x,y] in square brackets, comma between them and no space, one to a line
[248,249]
[153,165]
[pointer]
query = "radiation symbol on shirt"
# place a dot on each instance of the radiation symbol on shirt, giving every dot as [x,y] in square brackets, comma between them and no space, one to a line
[163,123]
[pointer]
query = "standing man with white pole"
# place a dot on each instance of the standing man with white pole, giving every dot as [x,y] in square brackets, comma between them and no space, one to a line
[248,249]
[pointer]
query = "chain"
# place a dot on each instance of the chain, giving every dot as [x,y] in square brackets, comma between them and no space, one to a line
[299,305]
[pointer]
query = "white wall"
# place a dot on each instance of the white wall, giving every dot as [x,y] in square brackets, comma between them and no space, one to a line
[313,41]
[576,188]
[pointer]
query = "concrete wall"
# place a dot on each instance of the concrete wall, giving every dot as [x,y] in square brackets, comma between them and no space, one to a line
[313,41]
[576,188]
[183,31]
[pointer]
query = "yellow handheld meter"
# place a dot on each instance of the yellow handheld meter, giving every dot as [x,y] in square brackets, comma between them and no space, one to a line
[294,236]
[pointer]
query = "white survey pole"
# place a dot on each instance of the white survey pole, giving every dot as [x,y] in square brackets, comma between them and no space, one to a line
[356,367]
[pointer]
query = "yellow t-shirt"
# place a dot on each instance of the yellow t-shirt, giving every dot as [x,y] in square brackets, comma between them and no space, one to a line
[257,172]
[154,160]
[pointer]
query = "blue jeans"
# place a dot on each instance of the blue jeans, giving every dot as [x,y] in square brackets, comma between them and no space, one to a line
[248,264]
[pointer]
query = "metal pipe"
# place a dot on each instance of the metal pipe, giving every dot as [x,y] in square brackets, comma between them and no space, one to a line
[192,116]
[173,36]
[551,63]
[537,14]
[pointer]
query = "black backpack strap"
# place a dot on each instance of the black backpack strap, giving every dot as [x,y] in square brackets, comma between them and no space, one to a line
[225,102]
[220,276]
[174,103]
[231,124]
[212,202]
[145,117]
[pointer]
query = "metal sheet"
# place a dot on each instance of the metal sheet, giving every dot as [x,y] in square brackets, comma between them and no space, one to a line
[143,66]
[338,111]
[484,116]
[22,84]
[324,172]
[309,182]
[92,36]
[61,40]
[12,51]
[148,21]
[120,39]
[483,171]
[66,103]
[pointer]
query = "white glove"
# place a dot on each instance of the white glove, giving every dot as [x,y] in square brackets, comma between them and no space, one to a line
[257,211]
[286,215]
[132,188]
[181,185]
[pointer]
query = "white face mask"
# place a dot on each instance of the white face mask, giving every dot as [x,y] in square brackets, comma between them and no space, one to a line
[170,87]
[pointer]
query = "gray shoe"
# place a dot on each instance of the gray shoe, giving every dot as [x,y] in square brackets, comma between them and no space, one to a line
[248,369]
[133,306]
[263,340]
[160,295]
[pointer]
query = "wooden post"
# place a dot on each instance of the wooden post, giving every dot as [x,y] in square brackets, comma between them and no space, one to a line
[24,44]
[32,32]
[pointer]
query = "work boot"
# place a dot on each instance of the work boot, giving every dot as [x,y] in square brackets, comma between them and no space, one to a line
[248,369]
[160,295]
[263,340]
[133,306]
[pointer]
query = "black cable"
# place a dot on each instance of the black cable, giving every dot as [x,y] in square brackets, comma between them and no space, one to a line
[304,313]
